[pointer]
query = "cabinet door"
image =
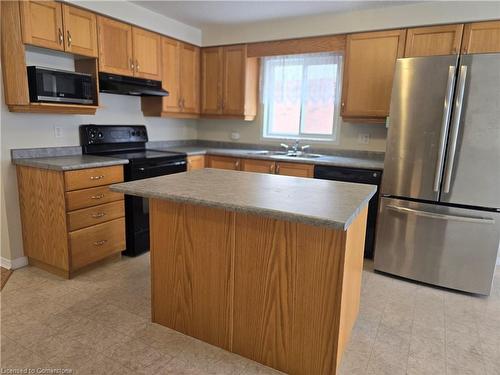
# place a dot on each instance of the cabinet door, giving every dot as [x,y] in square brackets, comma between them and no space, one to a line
[211,80]
[224,162]
[42,24]
[434,40]
[481,37]
[147,54]
[233,91]
[171,74]
[115,47]
[195,162]
[368,72]
[80,31]
[259,166]
[190,78]
[295,169]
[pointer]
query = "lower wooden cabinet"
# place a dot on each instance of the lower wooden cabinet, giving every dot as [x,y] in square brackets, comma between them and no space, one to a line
[261,166]
[70,219]
[223,162]
[295,169]
[195,162]
[256,165]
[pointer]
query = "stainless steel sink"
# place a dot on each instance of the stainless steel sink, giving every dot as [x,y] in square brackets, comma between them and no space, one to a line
[285,154]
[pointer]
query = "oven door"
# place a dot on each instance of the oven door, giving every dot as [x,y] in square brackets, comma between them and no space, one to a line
[58,86]
[137,208]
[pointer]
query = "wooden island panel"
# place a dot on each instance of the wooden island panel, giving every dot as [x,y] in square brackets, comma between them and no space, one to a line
[282,293]
[191,275]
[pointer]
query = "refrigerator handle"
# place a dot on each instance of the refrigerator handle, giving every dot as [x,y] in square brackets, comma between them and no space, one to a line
[455,127]
[434,215]
[444,127]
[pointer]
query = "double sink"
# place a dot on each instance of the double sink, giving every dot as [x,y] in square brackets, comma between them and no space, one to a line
[286,154]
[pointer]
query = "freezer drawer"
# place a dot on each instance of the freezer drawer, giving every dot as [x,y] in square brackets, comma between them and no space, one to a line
[446,246]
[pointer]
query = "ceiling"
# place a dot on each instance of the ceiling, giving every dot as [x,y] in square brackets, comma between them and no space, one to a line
[203,14]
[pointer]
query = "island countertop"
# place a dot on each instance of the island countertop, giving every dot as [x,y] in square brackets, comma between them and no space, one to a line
[315,202]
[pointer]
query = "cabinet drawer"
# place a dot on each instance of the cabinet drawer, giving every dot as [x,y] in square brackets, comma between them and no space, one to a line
[90,197]
[95,215]
[97,242]
[86,178]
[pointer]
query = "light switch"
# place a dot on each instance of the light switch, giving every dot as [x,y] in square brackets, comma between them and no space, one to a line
[58,132]
[364,138]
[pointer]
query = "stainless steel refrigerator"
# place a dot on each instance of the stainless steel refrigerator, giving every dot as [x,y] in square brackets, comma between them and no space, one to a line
[439,217]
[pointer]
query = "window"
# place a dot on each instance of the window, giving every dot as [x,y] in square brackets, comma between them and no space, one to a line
[301,95]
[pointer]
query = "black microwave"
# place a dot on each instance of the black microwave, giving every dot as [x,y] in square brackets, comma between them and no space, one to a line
[59,86]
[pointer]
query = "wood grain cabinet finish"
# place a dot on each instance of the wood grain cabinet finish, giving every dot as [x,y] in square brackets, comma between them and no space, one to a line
[80,31]
[261,166]
[57,26]
[229,82]
[368,72]
[281,293]
[257,165]
[115,47]
[91,177]
[64,231]
[147,54]
[223,162]
[42,24]
[181,78]
[295,169]
[195,162]
[481,37]
[433,40]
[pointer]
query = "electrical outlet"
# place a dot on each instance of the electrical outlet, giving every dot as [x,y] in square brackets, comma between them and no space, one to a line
[364,138]
[235,136]
[58,132]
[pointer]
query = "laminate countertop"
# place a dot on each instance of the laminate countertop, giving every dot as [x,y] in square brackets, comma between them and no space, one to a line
[69,162]
[315,202]
[350,161]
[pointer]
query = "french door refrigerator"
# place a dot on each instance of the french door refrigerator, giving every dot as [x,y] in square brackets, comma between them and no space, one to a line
[439,216]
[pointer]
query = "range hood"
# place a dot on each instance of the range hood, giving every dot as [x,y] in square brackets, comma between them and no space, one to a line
[121,85]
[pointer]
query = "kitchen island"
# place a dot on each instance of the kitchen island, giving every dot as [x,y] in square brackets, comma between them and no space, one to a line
[265,266]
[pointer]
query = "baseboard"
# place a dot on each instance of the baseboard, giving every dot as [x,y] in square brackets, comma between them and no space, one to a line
[13,264]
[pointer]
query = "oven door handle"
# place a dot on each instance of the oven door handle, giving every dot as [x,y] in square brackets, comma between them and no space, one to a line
[172,164]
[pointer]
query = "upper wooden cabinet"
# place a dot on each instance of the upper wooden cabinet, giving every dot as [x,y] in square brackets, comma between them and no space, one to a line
[128,50]
[181,78]
[115,47]
[481,37]
[368,72]
[80,31]
[53,25]
[147,54]
[433,41]
[211,80]
[229,82]
[42,24]
[190,78]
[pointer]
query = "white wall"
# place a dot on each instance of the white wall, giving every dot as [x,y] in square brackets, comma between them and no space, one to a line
[418,14]
[134,14]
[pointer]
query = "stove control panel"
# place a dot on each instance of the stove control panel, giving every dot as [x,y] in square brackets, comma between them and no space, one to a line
[106,134]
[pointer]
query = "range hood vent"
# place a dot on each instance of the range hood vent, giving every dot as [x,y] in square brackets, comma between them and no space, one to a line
[121,85]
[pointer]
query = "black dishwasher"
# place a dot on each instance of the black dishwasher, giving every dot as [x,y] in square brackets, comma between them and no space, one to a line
[361,176]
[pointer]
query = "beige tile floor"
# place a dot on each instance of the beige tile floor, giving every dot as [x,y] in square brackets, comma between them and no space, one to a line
[98,323]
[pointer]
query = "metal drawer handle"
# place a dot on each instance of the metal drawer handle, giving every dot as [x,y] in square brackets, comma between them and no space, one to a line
[100,243]
[96,177]
[69,38]
[98,215]
[61,37]
[100,196]
[433,215]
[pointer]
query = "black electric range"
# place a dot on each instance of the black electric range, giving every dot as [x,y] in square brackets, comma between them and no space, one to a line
[129,142]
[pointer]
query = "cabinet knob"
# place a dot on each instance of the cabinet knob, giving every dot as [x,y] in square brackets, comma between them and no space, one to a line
[100,196]
[237,163]
[137,67]
[132,66]
[277,169]
[271,168]
[98,215]
[100,242]
[69,38]
[61,37]
[96,177]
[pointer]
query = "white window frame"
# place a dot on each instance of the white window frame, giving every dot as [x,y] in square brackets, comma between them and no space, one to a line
[268,107]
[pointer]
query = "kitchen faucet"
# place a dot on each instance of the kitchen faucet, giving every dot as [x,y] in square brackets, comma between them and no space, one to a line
[295,148]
